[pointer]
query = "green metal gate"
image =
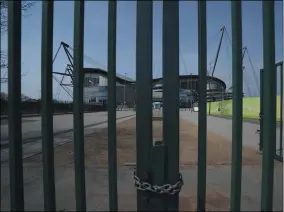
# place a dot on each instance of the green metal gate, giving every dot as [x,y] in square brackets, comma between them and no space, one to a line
[158,178]
[279,111]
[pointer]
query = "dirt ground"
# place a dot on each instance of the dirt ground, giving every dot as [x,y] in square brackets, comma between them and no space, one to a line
[96,155]
[215,202]
[96,147]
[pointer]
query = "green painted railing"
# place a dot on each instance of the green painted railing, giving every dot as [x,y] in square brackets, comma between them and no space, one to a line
[14,101]
[279,110]
[163,156]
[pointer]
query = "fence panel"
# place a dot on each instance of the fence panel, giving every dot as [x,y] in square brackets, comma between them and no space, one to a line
[157,164]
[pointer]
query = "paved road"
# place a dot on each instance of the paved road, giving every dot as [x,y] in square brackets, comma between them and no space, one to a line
[31,127]
[223,127]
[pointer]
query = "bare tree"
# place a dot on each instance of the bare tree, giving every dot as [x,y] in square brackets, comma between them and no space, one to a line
[26,6]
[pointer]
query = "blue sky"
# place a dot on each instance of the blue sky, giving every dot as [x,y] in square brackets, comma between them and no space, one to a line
[218,15]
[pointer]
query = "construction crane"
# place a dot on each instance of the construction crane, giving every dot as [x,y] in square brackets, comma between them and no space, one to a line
[223,29]
[245,51]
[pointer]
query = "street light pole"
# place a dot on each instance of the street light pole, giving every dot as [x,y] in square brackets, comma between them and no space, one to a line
[191,89]
[124,90]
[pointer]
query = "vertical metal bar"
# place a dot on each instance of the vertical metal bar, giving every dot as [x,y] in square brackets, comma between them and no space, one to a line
[192,91]
[1,85]
[1,59]
[14,103]
[78,118]
[202,121]
[261,112]
[281,110]
[269,105]
[112,158]
[158,157]
[171,94]
[46,106]
[144,62]
[124,90]
[237,119]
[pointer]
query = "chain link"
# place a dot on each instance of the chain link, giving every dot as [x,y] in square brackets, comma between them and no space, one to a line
[163,189]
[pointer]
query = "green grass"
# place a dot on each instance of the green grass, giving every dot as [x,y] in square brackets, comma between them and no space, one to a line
[251,108]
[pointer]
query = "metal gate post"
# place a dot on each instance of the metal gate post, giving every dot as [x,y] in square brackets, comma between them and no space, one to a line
[261,112]
[159,162]
[14,104]
[269,105]
[153,167]
[170,94]
[202,116]
[281,112]
[78,117]
[237,119]
[47,106]
[144,34]
[111,106]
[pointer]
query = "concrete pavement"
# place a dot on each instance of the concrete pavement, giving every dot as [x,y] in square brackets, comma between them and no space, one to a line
[63,128]
[223,127]
[31,126]
[218,184]
[34,114]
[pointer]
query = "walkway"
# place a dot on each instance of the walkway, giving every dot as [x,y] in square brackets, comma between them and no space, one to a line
[223,127]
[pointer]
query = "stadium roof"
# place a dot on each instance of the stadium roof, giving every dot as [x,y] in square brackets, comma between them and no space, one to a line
[126,80]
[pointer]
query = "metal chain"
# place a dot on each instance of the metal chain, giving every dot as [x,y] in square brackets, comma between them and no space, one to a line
[163,189]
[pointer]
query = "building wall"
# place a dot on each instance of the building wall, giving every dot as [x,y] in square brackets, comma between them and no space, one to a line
[99,94]
[95,93]
[92,79]
[95,90]
[185,95]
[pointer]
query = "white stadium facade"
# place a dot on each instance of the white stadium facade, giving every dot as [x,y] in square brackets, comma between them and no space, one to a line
[95,89]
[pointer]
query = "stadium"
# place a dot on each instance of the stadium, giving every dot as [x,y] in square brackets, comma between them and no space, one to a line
[95,85]
[95,89]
